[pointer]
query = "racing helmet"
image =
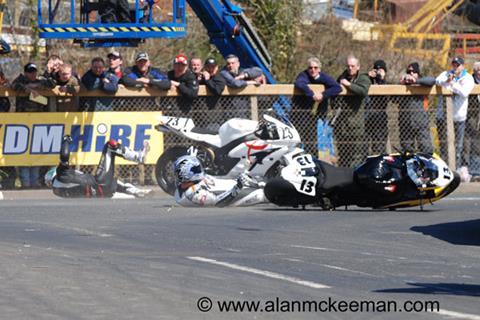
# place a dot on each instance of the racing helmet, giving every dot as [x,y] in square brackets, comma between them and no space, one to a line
[188,169]
[49,176]
[422,170]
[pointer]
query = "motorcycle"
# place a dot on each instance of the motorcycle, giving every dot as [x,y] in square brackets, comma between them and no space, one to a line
[381,182]
[239,145]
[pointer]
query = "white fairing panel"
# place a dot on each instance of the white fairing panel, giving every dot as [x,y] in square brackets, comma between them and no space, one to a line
[236,128]
[445,175]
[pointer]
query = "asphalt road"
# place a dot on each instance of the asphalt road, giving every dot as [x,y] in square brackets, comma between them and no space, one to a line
[148,259]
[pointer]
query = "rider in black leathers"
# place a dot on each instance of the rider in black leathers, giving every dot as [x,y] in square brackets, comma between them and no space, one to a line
[70,183]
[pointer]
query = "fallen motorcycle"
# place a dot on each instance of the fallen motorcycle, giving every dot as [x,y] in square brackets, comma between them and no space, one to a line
[239,146]
[381,182]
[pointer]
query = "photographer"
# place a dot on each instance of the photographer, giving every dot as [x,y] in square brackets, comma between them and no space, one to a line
[414,124]
[376,120]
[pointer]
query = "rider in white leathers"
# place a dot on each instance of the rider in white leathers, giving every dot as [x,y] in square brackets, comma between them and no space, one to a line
[195,188]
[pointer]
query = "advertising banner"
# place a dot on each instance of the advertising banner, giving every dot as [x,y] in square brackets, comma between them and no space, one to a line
[28,139]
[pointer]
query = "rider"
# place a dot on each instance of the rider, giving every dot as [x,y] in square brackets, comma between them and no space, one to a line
[195,188]
[70,183]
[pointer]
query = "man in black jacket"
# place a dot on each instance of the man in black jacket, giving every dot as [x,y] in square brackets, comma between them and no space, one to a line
[212,78]
[185,81]
[376,119]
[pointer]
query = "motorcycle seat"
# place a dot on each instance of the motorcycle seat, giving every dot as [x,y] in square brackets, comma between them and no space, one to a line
[201,130]
[335,177]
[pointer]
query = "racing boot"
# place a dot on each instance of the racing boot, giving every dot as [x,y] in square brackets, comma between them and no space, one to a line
[136,156]
[137,192]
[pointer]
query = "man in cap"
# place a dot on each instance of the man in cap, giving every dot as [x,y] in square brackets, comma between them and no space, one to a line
[143,75]
[29,83]
[376,119]
[115,63]
[184,81]
[211,77]
[460,83]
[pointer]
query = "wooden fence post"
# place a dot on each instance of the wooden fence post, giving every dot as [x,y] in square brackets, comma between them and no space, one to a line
[450,134]
[254,107]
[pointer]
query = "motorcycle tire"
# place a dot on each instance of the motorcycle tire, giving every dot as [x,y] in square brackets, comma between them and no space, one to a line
[164,168]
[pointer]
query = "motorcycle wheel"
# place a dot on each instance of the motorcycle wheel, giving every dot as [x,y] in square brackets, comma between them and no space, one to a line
[164,168]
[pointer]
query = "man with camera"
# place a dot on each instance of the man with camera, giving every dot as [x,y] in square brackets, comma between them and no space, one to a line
[413,119]
[376,120]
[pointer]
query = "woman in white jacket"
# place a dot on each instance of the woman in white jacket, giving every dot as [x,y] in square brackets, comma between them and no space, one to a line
[460,83]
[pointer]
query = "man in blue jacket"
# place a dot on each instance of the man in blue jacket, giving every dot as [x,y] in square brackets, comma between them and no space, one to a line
[98,79]
[143,75]
[307,108]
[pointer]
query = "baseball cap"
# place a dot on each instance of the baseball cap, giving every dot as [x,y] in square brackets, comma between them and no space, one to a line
[30,67]
[180,59]
[210,61]
[380,64]
[142,56]
[114,54]
[458,60]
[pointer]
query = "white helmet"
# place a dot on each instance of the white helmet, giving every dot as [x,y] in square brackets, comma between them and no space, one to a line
[49,176]
[188,169]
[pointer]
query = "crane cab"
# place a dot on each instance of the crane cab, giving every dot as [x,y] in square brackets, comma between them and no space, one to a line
[102,23]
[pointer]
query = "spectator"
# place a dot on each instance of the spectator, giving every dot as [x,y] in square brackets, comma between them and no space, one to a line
[115,62]
[4,101]
[97,79]
[53,65]
[304,114]
[196,66]
[29,83]
[114,11]
[185,81]
[51,75]
[460,83]
[212,79]
[69,84]
[413,119]
[142,75]
[8,175]
[349,121]
[240,78]
[376,119]
[4,47]
[472,130]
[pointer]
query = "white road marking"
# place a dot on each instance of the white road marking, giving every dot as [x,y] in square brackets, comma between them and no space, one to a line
[345,269]
[458,315]
[316,248]
[462,199]
[264,273]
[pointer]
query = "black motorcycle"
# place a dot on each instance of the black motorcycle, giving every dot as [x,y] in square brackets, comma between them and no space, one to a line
[385,181]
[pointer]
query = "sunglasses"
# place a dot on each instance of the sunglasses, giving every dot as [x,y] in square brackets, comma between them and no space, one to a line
[313,68]
[411,71]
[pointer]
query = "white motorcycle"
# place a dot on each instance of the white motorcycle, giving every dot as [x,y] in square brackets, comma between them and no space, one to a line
[240,145]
